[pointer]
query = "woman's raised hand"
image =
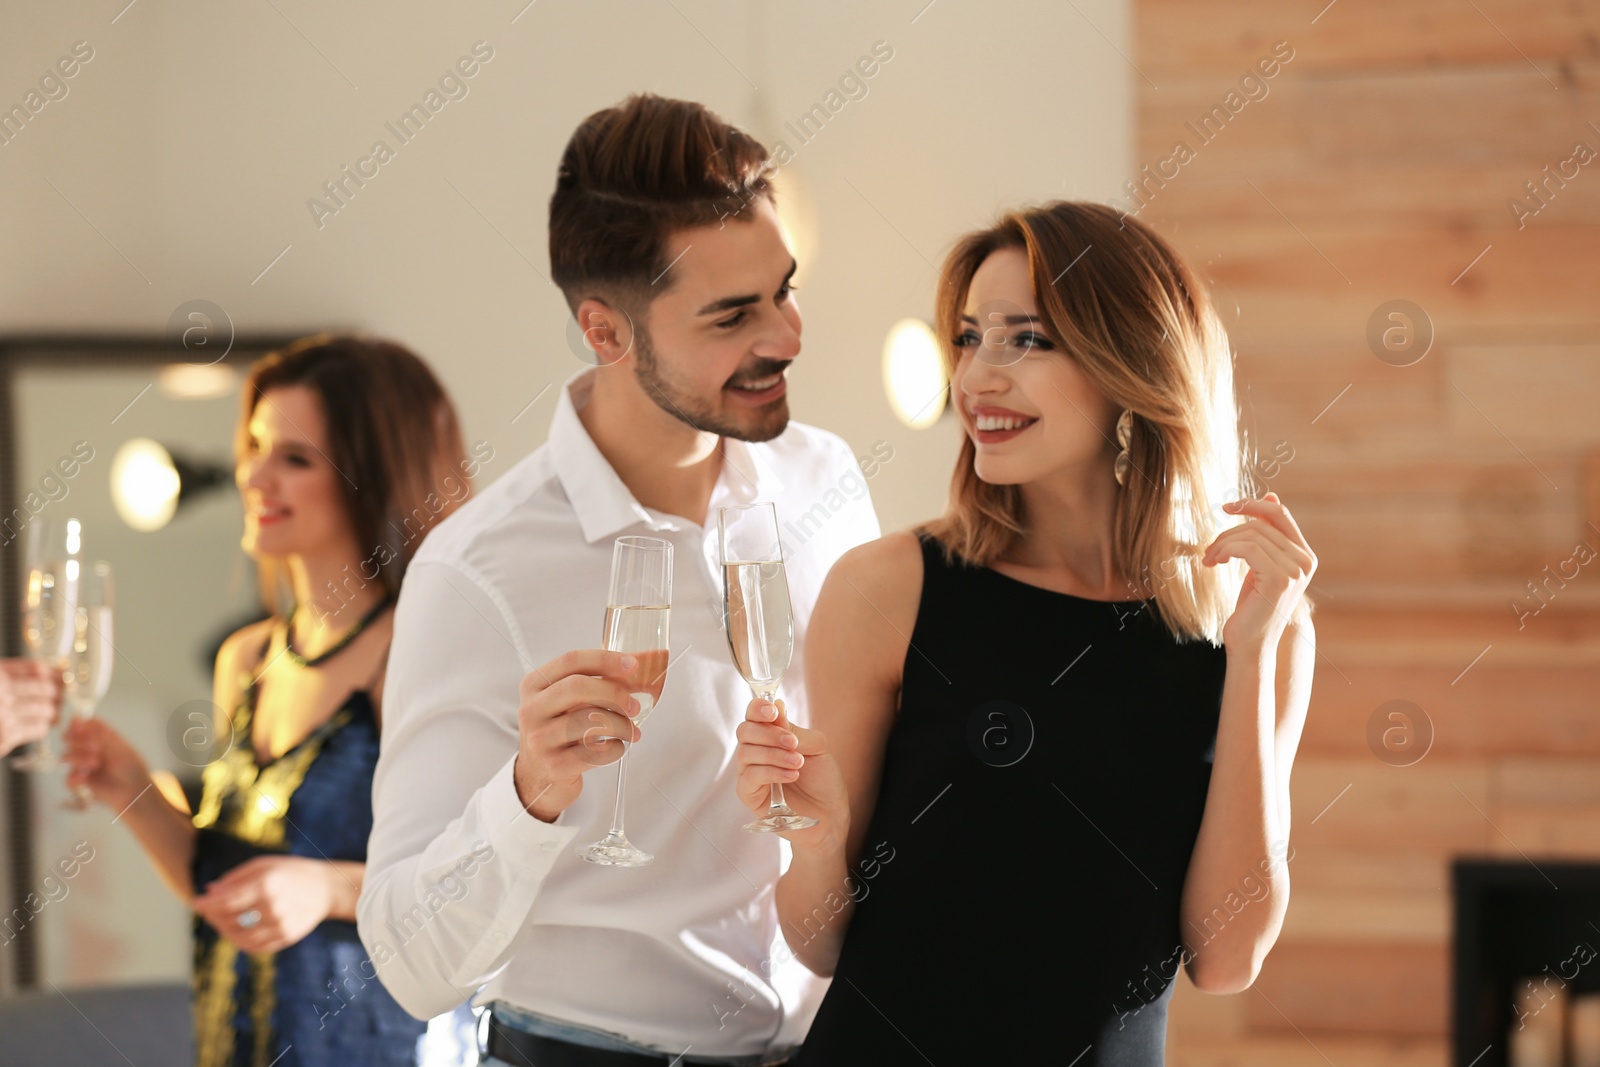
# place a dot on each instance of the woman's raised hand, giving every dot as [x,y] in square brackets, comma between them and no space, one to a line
[1281,564]
[100,758]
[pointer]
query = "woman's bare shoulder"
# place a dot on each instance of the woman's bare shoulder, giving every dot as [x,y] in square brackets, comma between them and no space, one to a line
[891,563]
[241,650]
[879,577]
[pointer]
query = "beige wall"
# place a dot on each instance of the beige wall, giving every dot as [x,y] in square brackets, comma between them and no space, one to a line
[179,164]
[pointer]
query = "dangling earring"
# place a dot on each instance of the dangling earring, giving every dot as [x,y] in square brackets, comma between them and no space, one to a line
[1124,434]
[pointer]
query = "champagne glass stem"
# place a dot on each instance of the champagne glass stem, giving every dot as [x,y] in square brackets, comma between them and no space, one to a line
[82,798]
[622,777]
[776,805]
[615,850]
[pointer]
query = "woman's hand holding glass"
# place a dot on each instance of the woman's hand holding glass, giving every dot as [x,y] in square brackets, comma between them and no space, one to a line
[773,751]
[102,762]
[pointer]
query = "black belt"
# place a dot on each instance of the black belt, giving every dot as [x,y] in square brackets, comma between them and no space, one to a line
[522,1049]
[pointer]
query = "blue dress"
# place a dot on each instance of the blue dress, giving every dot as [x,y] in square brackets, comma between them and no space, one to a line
[317,1003]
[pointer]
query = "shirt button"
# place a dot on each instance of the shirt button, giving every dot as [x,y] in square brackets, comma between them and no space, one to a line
[548,846]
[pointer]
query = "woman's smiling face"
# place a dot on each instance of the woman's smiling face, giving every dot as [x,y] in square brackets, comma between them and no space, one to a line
[293,497]
[1028,408]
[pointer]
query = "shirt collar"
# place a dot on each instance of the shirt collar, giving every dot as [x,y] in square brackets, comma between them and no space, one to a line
[747,471]
[603,502]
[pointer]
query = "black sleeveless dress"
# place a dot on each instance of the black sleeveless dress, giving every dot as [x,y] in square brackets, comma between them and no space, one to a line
[1018,892]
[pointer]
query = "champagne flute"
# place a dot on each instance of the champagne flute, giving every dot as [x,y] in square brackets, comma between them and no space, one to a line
[637,609]
[88,673]
[756,614]
[49,609]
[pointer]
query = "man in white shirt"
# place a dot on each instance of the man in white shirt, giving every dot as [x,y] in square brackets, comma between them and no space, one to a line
[494,771]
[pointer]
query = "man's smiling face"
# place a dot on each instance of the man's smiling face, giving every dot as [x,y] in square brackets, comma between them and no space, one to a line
[725,322]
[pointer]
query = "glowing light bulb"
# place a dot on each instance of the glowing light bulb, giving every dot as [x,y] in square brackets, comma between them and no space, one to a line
[144,484]
[913,373]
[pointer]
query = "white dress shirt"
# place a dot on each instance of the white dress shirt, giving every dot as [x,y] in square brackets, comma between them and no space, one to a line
[464,889]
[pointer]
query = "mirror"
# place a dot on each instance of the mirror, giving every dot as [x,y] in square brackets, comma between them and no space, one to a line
[67,406]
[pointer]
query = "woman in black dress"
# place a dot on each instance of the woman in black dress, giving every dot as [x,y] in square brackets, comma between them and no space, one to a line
[1052,731]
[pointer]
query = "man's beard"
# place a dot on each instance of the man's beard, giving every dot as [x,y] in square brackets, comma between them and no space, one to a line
[682,404]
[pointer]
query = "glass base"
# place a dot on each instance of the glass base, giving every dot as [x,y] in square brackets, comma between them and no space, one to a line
[778,818]
[82,799]
[40,759]
[615,850]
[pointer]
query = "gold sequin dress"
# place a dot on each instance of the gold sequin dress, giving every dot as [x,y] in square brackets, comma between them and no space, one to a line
[316,1003]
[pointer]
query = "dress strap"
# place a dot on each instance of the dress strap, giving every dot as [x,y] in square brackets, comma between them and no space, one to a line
[338,646]
[249,679]
[241,715]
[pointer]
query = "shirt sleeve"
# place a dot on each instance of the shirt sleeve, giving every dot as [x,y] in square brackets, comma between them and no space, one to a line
[454,862]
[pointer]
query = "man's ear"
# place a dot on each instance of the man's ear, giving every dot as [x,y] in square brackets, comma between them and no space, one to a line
[607,330]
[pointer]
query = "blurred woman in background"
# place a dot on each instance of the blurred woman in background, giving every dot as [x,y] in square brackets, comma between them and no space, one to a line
[347,453]
[1053,729]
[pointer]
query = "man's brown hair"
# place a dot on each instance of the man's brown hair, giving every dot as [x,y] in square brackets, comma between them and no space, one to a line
[630,176]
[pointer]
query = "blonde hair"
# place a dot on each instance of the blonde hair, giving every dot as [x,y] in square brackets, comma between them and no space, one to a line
[1133,317]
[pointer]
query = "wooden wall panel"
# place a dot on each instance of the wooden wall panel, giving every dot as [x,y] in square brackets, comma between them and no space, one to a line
[1303,1051]
[1505,710]
[1432,808]
[1377,987]
[1382,163]
[1185,37]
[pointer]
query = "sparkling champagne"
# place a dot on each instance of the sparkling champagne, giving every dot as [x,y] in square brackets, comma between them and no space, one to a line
[89,666]
[48,609]
[641,633]
[755,607]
